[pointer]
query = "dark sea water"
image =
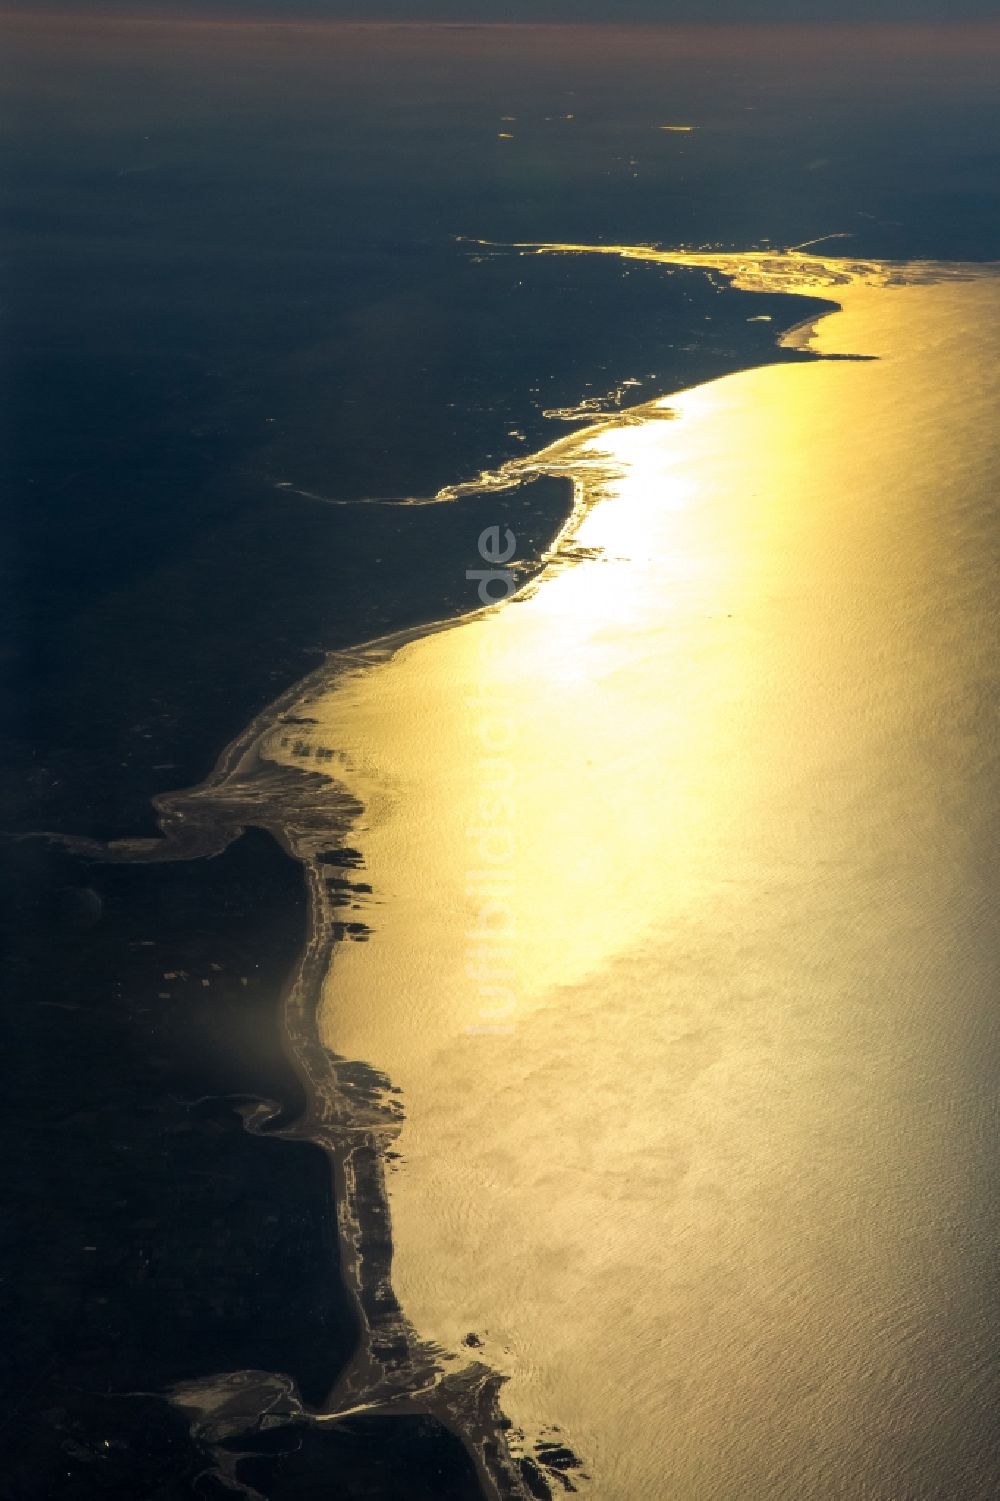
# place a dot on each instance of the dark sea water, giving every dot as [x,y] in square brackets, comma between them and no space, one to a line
[245,309]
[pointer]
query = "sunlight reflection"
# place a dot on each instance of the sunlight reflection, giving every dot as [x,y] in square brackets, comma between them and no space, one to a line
[666,891]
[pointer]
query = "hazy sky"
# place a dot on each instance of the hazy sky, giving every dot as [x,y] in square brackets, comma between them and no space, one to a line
[530,10]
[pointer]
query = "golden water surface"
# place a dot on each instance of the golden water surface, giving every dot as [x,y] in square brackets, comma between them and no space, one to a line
[683,950]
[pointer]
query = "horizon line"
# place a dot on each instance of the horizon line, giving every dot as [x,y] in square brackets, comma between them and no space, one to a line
[859,23]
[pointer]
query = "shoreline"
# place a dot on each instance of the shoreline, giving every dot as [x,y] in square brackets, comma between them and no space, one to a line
[311,818]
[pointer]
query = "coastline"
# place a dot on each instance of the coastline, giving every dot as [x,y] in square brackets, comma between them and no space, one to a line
[97,942]
[270,778]
[340,677]
[405,744]
[311,818]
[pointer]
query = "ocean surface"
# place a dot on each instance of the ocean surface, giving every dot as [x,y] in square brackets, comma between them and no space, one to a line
[581,1071]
